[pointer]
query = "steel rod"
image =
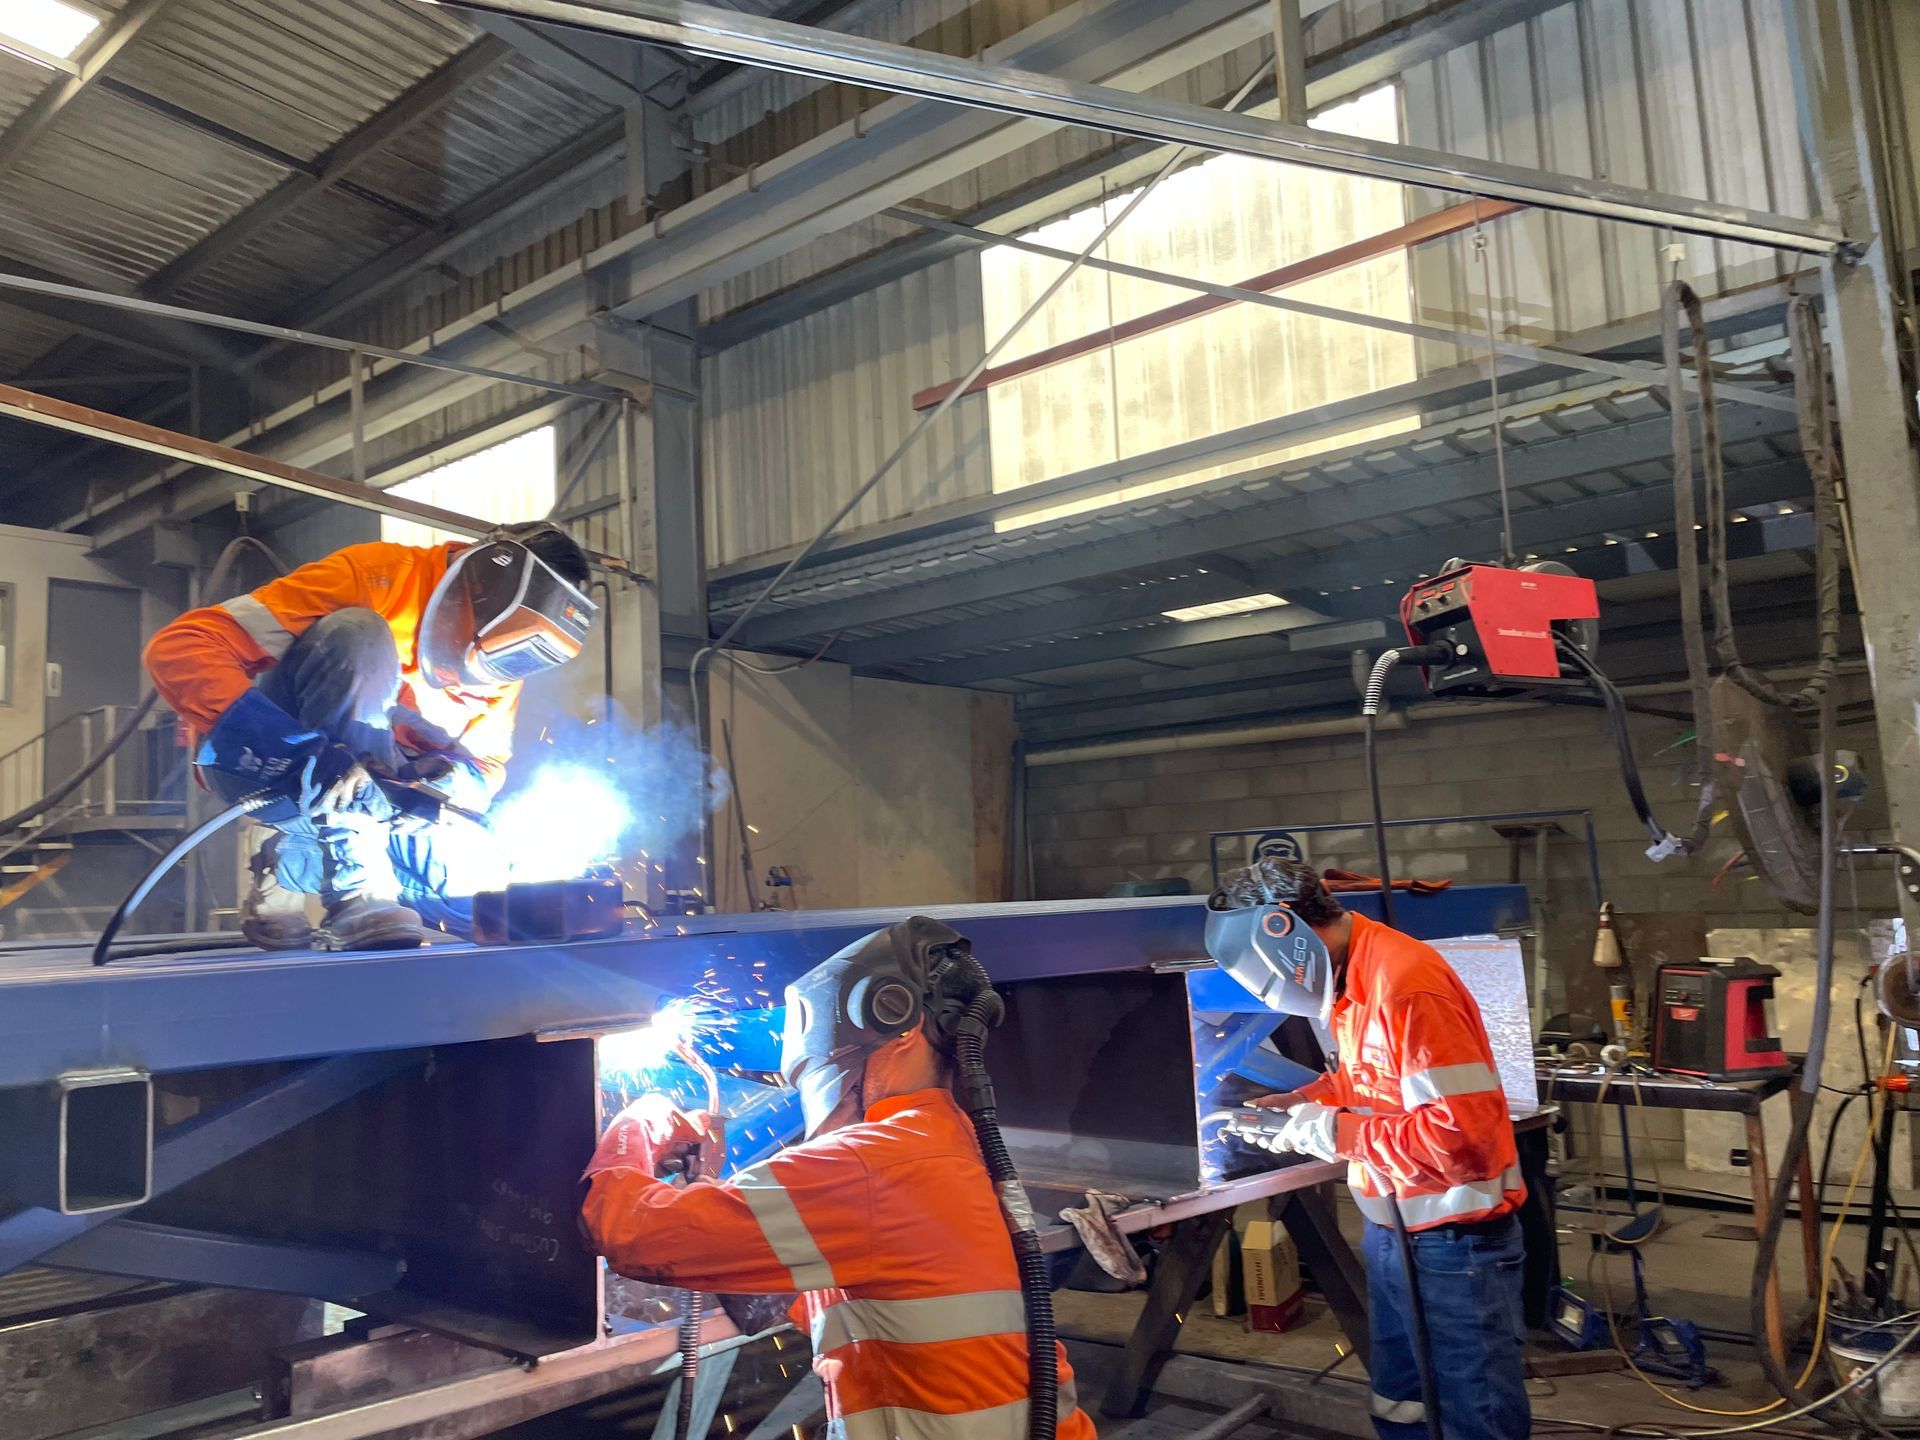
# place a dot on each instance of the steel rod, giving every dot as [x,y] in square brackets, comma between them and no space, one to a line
[1650,375]
[37,409]
[856,60]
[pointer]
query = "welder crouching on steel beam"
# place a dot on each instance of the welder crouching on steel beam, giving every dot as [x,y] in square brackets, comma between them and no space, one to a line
[372,694]
[887,1219]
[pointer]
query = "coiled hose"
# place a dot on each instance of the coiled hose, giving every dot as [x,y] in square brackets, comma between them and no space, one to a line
[1036,1291]
[1371,701]
[691,1314]
[102,948]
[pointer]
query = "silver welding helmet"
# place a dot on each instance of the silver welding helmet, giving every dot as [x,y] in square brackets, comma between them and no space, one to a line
[871,993]
[1274,954]
[500,614]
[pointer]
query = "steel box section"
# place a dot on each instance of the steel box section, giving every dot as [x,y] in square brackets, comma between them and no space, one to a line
[79,1144]
[461,1170]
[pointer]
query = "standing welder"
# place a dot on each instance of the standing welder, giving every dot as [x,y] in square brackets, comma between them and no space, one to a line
[380,660]
[884,1219]
[1414,1104]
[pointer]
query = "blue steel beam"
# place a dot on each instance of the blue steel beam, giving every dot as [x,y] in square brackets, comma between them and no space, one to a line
[194,1147]
[58,1012]
[197,1257]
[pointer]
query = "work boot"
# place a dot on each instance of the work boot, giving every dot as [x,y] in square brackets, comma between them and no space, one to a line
[367,922]
[272,916]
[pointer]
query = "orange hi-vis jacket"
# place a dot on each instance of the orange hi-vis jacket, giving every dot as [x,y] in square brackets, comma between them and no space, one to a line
[205,660]
[1419,1097]
[891,1233]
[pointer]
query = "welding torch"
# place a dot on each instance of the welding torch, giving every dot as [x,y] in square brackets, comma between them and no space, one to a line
[688,1160]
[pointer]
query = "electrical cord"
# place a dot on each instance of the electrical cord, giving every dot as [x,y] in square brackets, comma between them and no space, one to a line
[1665,842]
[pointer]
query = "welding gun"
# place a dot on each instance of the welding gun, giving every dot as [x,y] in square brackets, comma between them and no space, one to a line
[419,805]
[1254,1125]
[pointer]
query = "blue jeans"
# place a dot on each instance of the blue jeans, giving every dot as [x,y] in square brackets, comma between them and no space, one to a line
[341,677]
[1470,1291]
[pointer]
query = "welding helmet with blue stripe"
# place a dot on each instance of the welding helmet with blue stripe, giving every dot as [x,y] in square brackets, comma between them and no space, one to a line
[867,996]
[1273,953]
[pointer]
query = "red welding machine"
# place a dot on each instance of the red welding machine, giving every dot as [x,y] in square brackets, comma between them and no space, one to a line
[1501,625]
[1714,1018]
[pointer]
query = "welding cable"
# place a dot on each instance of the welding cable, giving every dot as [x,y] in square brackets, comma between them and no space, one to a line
[1371,700]
[215,579]
[983,1012]
[689,1337]
[1806,1092]
[1665,843]
[166,862]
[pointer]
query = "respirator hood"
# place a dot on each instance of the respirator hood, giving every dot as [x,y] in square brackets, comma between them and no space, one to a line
[500,614]
[873,992]
[1274,954]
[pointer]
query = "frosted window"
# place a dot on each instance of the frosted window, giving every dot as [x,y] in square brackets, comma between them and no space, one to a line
[1226,219]
[509,482]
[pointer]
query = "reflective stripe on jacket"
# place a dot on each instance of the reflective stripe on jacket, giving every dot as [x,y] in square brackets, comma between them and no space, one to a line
[890,1231]
[1419,1096]
[205,660]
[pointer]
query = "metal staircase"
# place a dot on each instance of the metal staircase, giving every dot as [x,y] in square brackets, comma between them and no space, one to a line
[137,796]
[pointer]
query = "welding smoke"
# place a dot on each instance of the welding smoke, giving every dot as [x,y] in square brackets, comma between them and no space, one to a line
[602,792]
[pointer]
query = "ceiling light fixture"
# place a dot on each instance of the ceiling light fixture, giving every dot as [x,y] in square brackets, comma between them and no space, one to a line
[1239,605]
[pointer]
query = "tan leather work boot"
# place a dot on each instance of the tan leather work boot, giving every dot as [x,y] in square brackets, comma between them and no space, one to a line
[272,916]
[368,922]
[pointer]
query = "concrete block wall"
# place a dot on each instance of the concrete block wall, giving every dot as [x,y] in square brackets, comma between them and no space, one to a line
[1097,823]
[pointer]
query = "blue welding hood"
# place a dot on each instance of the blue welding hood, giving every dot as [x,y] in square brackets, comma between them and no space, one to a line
[1275,956]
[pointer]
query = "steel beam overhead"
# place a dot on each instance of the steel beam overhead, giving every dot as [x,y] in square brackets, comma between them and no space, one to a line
[900,69]
[1332,75]
[35,409]
[58,97]
[539,44]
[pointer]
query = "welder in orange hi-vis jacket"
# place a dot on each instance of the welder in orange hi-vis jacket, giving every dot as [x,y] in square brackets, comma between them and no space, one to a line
[884,1220]
[1415,1106]
[380,661]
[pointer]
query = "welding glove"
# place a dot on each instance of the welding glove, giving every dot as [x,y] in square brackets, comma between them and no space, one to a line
[654,1136]
[334,782]
[1309,1131]
[258,744]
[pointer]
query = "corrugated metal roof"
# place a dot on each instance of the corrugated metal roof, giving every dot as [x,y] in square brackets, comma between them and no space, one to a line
[296,76]
[214,105]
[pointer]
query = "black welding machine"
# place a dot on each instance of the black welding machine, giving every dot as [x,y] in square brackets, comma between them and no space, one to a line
[1714,1018]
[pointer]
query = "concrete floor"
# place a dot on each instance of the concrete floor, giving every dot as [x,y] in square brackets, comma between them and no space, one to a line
[1691,1273]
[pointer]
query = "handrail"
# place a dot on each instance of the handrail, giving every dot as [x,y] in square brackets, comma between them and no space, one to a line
[58,725]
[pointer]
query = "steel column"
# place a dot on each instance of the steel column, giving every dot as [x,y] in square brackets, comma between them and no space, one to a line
[1876,405]
[804,50]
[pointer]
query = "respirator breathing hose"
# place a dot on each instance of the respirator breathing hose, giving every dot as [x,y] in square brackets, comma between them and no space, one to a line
[1036,1290]
[1371,701]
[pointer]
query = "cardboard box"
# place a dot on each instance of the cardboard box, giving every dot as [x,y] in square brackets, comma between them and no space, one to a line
[1275,1299]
